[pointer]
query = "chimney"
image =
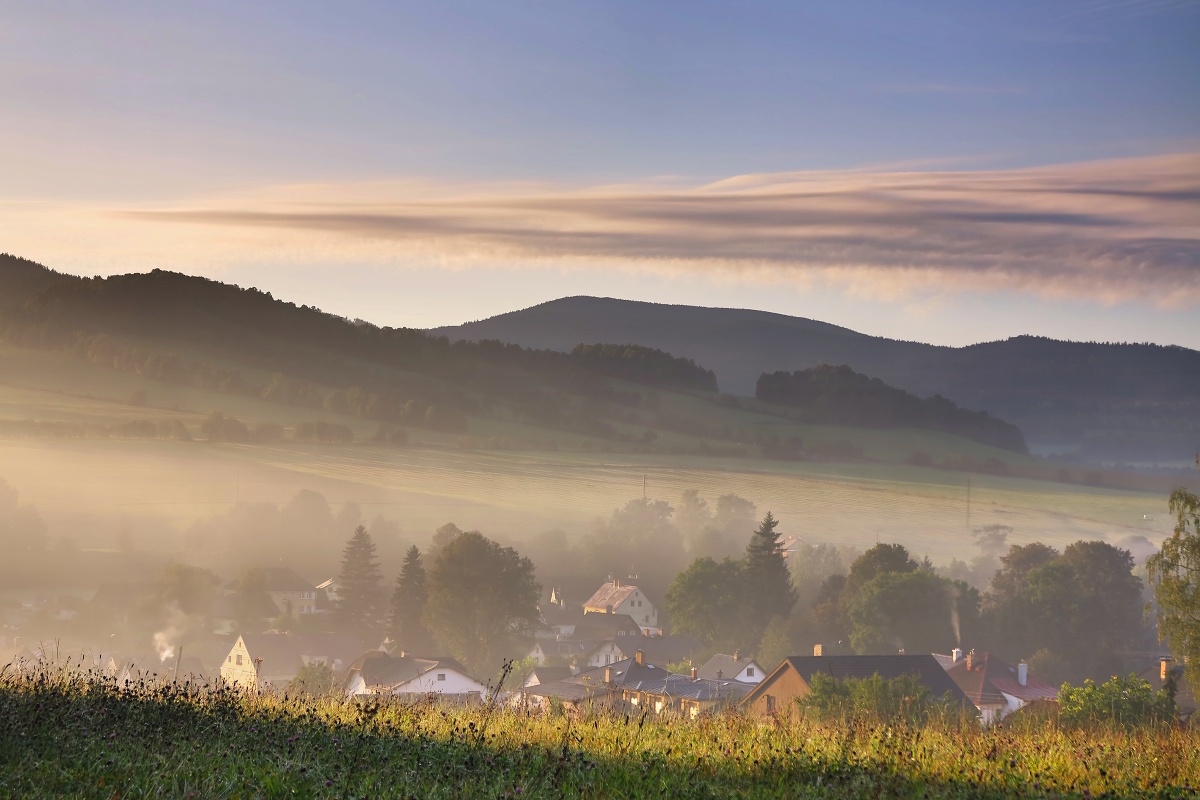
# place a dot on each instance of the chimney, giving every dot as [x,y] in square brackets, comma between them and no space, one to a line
[608,674]
[1022,673]
[639,657]
[956,655]
[616,583]
[693,673]
[970,660]
[720,675]
[818,650]
[737,655]
[1164,668]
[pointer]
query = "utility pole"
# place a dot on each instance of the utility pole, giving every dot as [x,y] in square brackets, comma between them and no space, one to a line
[968,504]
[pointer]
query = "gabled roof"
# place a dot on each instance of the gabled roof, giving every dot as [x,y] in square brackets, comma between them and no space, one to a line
[610,595]
[990,678]
[553,614]
[280,651]
[622,672]
[1185,698]
[726,665]
[601,625]
[540,675]
[923,666]
[382,672]
[669,649]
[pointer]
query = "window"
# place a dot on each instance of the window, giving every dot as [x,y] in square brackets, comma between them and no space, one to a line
[770,704]
[239,659]
[749,672]
[441,676]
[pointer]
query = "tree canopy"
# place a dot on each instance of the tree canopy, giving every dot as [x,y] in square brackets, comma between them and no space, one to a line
[409,598]
[1175,574]
[482,603]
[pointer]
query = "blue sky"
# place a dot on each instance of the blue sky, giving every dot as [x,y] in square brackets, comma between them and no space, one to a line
[249,141]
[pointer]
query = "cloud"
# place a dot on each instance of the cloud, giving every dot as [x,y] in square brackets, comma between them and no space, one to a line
[1109,231]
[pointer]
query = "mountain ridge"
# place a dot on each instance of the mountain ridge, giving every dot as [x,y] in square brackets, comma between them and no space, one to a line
[1108,401]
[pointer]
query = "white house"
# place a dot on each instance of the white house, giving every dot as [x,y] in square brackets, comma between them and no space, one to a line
[617,598]
[731,668]
[376,672]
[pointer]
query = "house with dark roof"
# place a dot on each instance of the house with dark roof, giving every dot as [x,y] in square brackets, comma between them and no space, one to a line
[734,667]
[997,688]
[376,672]
[580,653]
[791,680]
[640,684]
[616,597]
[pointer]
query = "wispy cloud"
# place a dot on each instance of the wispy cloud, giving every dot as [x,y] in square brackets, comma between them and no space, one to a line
[1110,231]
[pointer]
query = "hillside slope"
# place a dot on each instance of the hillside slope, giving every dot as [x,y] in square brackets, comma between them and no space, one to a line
[1111,401]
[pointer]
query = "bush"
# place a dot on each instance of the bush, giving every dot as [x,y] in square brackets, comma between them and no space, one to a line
[902,699]
[1129,702]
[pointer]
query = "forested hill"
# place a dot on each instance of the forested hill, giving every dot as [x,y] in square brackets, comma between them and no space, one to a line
[1112,401]
[841,396]
[153,314]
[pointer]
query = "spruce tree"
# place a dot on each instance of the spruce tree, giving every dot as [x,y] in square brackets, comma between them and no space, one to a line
[408,604]
[360,585]
[768,583]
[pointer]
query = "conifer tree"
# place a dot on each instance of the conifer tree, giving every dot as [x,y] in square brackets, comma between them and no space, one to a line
[769,590]
[408,604]
[360,585]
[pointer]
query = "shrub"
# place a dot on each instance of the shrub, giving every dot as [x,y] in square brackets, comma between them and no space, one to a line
[1129,702]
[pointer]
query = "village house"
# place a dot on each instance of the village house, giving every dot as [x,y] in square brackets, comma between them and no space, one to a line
[558,617]
[376,672]
[732,667]
[290,593]
[615,597]
[573,652]
[778,692]
[643,685]
[258,660]
[1166,673]
[995,687]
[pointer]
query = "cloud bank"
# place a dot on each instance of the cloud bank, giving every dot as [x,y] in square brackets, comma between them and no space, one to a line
[1113,230]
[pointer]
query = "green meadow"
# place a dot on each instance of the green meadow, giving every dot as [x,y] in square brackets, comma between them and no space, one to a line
[66,734]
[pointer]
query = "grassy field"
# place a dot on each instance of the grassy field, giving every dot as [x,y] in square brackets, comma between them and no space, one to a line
[515,494]
[70,736]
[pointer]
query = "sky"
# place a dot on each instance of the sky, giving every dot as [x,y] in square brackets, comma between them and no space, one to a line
[949,172]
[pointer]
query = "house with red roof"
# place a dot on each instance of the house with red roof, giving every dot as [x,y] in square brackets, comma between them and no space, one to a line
[996,687]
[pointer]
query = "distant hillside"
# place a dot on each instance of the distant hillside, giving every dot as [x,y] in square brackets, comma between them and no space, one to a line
[205,335]
[1109,401]
[841,396]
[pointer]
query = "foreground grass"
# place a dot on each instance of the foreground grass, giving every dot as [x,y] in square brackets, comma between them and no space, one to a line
[64,734]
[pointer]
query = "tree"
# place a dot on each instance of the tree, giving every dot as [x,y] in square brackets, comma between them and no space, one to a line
[707,601]
[913,611]
[1175,573]
[405,625]
[880,559]
[767,580]
[314,679]
[191,590]
[1015,567]
[482,601]
[360,584]
[810,566]
[639,539]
